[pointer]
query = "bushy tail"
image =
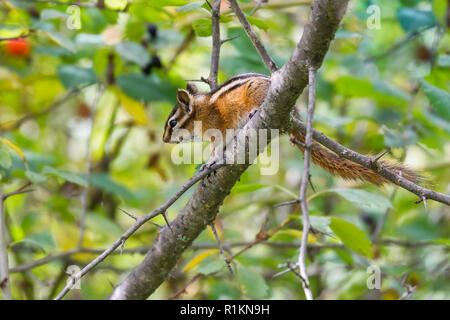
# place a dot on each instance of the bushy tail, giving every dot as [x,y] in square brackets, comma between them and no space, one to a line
[349,170]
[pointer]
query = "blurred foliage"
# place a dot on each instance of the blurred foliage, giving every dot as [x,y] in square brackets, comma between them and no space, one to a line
[379,88]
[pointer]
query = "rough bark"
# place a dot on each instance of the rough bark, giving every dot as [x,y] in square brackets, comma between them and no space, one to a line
[201,209]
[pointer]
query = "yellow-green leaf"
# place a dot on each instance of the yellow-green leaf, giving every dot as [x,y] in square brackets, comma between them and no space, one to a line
[199,258]
[258,23]
[133,107]
[353,237]
[298,234]
[16,149]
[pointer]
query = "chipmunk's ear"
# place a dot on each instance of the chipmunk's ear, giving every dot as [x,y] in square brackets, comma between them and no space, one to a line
[192,88]
[183,97]
[186,99]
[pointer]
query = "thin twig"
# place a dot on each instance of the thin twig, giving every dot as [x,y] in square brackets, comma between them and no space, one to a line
[200,246]
[136,218]
[286,203]
[85,194]
[11,125]
[183,290]
[304,184]
[21,190]
[216,43]
[398,45]
[259,4]
[4,269]
[274,5]
[228,39]
[183,46]
[160,210]
[270,64]
[219,243]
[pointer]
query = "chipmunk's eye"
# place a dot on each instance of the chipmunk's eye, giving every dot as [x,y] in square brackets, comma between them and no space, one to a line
[173,123]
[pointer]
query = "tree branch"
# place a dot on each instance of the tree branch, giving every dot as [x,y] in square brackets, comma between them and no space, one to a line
[4,269]
[304,184]
[161,210]
[216,43]
[84,195]
[270,64]
[367,162]
[201,209]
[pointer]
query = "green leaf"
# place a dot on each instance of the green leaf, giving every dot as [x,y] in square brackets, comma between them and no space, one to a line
[103,225]
[199,258]
[11,31]
[5,157]
[361,88]
[104,182]
[441,241]
[344,255]
[399,138]
[352,237]
[245,188]
[35,177]
[439,11]
[62,40]
[167,3]
[444,60]
[252,283]
[412,19]
[116,4]
[190,7]
[133,107]
[133,52]
[145,88]
[202,27]
[320,223]
[258,23]
[438,98]
[363,199]
[66,175]
[49,14]
[209,266]
[225,19]
[73,76]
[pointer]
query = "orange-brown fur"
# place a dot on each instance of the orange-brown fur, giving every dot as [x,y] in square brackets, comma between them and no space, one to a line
[230,109]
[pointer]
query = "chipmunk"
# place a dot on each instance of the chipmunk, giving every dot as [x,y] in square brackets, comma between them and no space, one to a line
[230,105]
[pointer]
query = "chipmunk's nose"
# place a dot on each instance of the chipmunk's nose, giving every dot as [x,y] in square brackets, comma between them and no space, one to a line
[166,138]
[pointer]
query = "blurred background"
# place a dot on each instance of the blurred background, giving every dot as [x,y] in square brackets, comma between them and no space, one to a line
[102,75]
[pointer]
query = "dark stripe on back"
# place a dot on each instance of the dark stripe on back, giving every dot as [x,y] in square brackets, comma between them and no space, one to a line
[232,88]
[238,77]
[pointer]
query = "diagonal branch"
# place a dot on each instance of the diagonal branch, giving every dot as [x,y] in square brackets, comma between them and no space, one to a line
[367,162]
[201,209]
[161,210]
[216,44]
[270,64]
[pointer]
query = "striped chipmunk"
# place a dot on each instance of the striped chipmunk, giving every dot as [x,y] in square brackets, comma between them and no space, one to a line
[231,104]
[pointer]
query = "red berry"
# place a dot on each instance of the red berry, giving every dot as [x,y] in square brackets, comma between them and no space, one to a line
[18,48]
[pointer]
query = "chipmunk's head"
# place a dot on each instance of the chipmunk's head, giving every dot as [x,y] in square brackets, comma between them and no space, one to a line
[180,123]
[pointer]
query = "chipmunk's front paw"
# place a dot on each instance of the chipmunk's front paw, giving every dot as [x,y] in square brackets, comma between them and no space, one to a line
[208,165]
[252,113]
